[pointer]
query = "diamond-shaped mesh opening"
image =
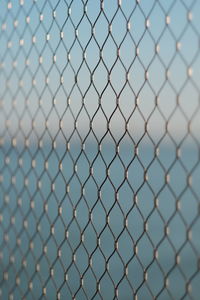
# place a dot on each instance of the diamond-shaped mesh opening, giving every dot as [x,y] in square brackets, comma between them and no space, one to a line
[99,149]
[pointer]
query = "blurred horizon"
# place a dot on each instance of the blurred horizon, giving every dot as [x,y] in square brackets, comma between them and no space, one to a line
[73,66]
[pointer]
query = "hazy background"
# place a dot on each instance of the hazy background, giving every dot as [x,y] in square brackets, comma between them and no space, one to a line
[99,149]
[91,77]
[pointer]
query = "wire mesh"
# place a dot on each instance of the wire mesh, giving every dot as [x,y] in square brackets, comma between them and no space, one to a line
[99,149]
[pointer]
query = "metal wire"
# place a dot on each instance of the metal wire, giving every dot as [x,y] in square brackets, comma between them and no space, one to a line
[99,149]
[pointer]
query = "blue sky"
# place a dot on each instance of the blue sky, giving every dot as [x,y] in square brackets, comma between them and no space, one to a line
[51,51]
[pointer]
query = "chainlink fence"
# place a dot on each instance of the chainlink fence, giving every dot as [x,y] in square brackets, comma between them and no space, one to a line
[99,149]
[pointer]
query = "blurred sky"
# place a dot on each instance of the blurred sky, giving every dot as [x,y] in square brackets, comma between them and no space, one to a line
[117,63]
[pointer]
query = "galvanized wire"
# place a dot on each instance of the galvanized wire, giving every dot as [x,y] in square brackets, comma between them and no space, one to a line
[99,149]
